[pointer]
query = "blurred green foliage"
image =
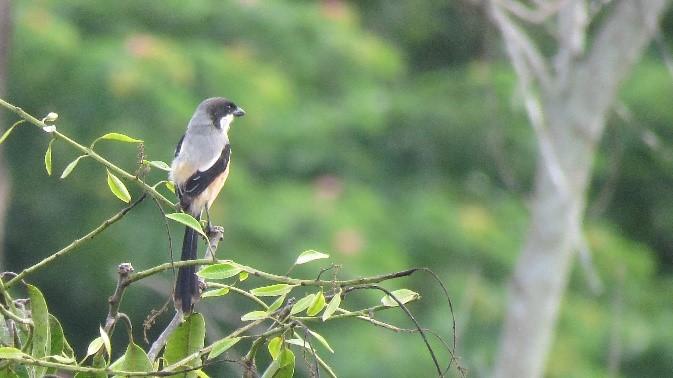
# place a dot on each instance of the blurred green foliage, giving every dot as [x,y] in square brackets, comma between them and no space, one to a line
[385,133]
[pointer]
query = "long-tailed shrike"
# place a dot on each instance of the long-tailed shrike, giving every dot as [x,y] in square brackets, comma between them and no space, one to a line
[199,170]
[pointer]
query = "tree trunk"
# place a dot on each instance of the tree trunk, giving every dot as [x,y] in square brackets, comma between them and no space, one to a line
[5,28]
[575,113]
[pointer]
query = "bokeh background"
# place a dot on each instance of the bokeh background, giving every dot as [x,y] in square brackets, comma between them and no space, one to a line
[385,133]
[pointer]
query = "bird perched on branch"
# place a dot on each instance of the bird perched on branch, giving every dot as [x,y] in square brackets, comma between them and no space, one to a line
[199,170]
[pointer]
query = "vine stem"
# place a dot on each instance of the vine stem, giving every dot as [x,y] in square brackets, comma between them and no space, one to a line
[72,246]
[274,277]
[89,152]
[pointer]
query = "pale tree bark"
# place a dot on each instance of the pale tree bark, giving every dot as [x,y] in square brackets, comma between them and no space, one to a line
[567,98]
[5,28]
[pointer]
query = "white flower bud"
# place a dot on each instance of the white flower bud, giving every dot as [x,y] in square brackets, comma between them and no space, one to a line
[51,117]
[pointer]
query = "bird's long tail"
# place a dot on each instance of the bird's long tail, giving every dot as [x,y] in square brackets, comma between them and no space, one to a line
[187,285]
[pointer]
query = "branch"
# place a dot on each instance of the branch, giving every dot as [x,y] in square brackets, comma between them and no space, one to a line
[273,277]
[76,243]
[91,153]
[124,270]
[413,319]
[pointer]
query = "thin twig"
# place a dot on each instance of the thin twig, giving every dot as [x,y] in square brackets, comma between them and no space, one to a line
[73,246]
[412,318]
[273,277]
[123,271]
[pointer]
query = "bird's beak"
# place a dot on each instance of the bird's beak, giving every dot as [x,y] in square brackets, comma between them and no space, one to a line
[239,112]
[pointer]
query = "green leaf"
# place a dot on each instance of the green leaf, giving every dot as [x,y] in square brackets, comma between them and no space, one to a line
[254,315]
[272,290]
[69,168]
[304,344]
[403,295]
[221,346]
[9,352]
[170,186]
[302,304]
[282,367]
[321,339]
[317,305]
[5,135]
[201,374]
[274,347]
[117,137]
[160,164]
[106,341]
[118,188]
[98,362]
[134,359]
[94,346]
[310,255]
[188,221]
[218,271]
[47,157]
[215,293]
[187,339]
[40,315]
[276,304]
[59,344]
[243,276]
[332,306]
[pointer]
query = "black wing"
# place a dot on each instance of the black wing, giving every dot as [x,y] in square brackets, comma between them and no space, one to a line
[199,181]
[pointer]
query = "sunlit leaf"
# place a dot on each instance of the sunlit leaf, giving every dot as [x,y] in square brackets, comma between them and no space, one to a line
[254,315]
[274,346]
[243,276]
[272,290]
[170,186]
[159,164]
[9,352]
[69,168]
[276,304]
[218,271]
[332,306]
[215,293]
[310,255]
[317,305]
[188,221]
[300,342]
[106,341]
[47,157]
[5,135]
[403,295]
[118,188]
[221,346]
[117,137]
[94,346]
[302,304]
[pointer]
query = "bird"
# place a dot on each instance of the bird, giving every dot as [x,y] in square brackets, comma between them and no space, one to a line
[198,171]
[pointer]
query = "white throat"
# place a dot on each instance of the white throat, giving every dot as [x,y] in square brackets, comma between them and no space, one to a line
[225,122]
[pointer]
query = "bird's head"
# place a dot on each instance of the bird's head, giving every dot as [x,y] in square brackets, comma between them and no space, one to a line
[220,111]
